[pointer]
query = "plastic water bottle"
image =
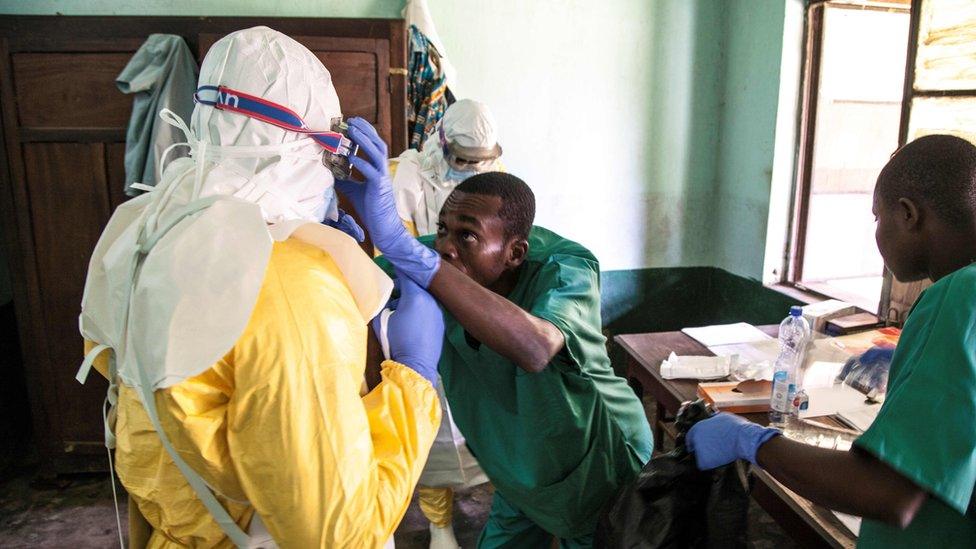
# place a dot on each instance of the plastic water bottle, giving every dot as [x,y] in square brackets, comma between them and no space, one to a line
[794,332]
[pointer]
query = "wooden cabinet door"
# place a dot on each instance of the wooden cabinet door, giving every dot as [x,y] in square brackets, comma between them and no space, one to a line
[64,127]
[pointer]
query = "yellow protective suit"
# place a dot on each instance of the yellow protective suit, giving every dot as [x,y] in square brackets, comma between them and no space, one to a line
[278,425]
[436,503]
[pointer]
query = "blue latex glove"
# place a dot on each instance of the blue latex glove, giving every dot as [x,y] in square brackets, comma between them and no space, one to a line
[876,355]
[376,206]
[724,438]
[416,330]
[348,225]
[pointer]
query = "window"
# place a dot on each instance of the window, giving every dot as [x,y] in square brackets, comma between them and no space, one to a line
[940,97]
[852,107]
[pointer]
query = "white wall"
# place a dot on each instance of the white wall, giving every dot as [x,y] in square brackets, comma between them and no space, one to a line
[614,112]
[606,110]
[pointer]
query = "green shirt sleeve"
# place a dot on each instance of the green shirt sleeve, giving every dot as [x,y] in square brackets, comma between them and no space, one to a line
[926,429]
[568,296]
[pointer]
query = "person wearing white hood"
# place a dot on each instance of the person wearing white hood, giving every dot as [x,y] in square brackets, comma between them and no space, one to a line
[232,328]
[464,143]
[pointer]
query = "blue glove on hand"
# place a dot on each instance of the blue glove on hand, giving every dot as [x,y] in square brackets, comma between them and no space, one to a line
[376,206]
[877,355]
[348,225]
[415,330]
[724,438]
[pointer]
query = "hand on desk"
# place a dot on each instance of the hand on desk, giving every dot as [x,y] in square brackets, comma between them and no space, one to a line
[724,438]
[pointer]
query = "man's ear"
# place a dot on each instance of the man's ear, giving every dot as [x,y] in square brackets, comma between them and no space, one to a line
[909,214]
[518,250]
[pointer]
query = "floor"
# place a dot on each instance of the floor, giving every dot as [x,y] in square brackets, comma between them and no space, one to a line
[78,512]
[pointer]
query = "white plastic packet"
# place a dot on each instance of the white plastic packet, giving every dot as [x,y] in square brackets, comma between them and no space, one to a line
[697,367]
[762,370]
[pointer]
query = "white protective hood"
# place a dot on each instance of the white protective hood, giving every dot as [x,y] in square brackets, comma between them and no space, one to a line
[420,184]
[177,271]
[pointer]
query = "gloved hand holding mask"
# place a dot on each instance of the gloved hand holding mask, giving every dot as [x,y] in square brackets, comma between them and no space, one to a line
[374,201]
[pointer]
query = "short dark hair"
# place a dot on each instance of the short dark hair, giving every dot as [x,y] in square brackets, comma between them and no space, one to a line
[938,171]
[518,201]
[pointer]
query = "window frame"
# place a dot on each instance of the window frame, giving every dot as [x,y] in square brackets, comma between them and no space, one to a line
[806,129]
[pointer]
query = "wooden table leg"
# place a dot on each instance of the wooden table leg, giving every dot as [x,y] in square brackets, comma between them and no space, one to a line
[660,417]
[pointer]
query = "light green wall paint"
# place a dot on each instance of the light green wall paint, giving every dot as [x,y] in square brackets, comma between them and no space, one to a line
[242,8]
[645,127]
[751,68]
[606,110]
[683,96]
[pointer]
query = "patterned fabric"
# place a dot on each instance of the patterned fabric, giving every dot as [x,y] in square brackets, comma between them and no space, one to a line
[427,93]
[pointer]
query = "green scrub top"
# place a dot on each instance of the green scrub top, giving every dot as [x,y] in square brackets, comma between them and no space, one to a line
[558,443]
[925,429]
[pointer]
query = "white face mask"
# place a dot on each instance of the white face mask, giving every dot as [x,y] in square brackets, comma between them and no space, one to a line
[459,175]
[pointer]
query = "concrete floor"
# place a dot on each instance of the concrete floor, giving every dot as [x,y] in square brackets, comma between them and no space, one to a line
[78,512]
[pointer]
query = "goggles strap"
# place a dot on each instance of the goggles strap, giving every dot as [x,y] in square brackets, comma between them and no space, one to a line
[227,99]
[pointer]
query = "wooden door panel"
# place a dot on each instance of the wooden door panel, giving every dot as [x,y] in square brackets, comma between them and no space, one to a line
[354,77]
[70,90]
[69,203]
[115,173]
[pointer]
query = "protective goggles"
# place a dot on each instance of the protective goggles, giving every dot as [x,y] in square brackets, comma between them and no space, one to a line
[459,157]
[336,145]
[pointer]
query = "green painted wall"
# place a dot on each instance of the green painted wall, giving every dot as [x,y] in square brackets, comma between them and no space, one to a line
[642,125]
[661,300]
[607,110]
[645,127]
[276,8]
[751,78]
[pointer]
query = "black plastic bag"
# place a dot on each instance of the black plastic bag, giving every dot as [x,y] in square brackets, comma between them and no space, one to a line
[673,504]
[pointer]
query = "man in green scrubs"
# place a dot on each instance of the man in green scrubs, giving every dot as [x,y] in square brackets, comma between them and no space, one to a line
[526,371]
[911,475]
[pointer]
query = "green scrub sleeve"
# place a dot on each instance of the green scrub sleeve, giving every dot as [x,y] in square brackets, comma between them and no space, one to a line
[570,300]
[926,429]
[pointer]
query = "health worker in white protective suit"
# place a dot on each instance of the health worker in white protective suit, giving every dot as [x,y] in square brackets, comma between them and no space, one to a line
[231,325]
[464,143]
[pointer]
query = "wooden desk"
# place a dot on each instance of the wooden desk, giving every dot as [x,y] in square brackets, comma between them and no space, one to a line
[808,524]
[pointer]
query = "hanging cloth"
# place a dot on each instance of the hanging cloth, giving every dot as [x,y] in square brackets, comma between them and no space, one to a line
[161,75]
[427,94]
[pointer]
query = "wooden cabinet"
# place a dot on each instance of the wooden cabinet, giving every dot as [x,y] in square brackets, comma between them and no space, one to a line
[61,173]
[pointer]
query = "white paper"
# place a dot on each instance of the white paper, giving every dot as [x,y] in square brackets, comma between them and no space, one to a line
[757,351]
[826,349]
[860,418]
[726,334]
[827,401]
[850,521]
[821,374]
